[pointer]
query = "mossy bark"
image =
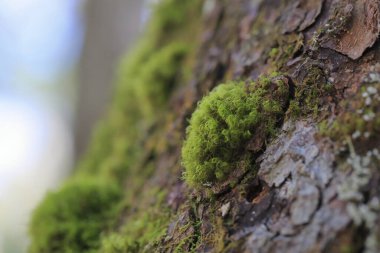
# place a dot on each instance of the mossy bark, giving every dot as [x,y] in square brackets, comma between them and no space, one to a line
[314,184]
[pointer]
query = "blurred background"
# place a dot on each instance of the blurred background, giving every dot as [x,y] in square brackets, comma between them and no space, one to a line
[57,64]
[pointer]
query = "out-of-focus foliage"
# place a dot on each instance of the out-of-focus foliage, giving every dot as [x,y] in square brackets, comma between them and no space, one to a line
[73,218]
[147,77]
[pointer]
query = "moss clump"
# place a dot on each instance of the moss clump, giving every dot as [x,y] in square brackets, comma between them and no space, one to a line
[154,80]
[72,219]
[224,122]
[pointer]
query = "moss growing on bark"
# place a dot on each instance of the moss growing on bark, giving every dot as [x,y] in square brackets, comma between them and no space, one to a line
[154,80]
[73,218]
[143,229]
[146,78]
[311,93]
[284,49]
[223,123]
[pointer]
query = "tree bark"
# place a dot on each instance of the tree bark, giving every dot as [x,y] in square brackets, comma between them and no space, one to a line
[298,202]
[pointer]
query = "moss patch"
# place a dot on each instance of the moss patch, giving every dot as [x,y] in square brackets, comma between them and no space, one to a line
[143,229]
[285,48]
[77,216]
[155,81]
[224,122]
[72,219]
[147,77]
[311,93]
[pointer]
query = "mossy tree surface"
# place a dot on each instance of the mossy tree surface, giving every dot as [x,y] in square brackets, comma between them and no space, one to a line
[224,122]
[291,159]
[147,78]
[72,219]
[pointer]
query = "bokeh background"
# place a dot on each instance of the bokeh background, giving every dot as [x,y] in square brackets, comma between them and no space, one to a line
[58,59]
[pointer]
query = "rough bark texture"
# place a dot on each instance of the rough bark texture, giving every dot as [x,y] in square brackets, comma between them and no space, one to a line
[294,205]
[314,186]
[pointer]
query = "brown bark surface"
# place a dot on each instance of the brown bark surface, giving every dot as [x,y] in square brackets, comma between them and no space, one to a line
[312,193]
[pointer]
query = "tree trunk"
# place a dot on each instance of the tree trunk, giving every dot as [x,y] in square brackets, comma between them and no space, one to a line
[110,30]
[307,196]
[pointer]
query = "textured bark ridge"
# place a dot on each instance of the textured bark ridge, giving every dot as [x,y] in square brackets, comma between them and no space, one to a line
[358,28]
[313,185]
[308,215]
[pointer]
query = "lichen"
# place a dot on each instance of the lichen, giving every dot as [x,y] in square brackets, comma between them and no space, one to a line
[356,129]
[358,119]
[362,212]
[224,122]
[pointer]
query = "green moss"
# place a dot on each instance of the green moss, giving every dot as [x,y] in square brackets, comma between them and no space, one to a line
[143,229]
[170,17]
[72,219]
[285,48]
[274,52]
[223,123]
[190,242]
[141,235]
[115,243]
[158,77]
[76,217]
[310,94]
[146,78]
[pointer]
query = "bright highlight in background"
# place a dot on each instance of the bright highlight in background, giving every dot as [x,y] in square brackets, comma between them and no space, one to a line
[40,42]
[21,132]
[36,150]
[39,38]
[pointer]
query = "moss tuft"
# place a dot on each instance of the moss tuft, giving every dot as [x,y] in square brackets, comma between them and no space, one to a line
[311,94]
[223,123]
[72,219]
